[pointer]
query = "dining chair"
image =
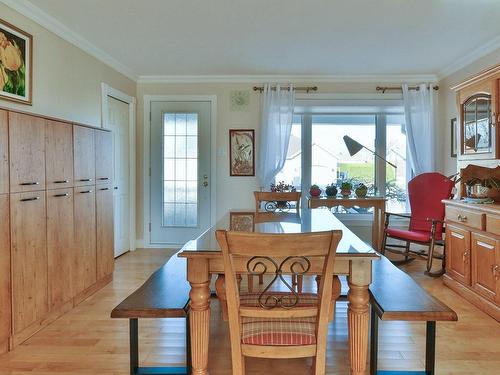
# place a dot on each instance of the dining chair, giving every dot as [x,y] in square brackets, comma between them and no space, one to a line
[272,201]
[425,192]
[279,324]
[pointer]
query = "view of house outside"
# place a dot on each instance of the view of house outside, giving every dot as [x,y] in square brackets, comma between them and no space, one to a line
[332,163]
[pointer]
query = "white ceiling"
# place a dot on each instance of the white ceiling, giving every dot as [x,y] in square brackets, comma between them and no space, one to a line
[282,37]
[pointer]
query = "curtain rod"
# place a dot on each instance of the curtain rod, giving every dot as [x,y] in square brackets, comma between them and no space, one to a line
[397,88]
[305,88]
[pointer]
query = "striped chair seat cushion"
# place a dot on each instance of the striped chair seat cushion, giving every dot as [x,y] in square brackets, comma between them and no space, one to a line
[278,332]
[252,299]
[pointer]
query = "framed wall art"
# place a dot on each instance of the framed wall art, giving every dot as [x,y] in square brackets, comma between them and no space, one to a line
[242,152]
[16,56]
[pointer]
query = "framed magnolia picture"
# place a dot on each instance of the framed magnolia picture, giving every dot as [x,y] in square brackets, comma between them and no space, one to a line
[242,152]
[16,56]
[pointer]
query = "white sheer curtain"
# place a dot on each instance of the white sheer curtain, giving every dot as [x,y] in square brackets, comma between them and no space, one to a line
[419,128]
[276,125]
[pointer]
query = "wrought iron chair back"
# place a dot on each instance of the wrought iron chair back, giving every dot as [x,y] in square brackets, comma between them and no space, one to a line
[276,201]
[279,255]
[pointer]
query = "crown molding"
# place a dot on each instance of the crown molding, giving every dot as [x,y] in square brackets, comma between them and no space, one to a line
[362,78]
[470,57]
[29,10]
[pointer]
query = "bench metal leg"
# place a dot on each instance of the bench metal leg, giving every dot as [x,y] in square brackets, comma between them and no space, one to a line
[134,355]
[430,348]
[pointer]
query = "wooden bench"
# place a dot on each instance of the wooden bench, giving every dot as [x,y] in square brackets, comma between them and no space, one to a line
[396,296]
[164,295]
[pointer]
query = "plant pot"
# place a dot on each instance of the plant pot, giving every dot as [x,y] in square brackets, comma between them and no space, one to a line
[315,192]
[331,191]
[345,192]
[361,192]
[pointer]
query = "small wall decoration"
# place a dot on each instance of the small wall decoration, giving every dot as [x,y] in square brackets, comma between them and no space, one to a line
[242,152]
[239,100]
[242,221]
[454,143]
[16,48]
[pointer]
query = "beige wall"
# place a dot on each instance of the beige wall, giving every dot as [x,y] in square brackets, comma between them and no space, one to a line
[448,108]
[232,192]
[66,80]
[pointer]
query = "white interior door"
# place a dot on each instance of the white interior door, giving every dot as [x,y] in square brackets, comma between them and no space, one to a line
[180,171]
[118,123]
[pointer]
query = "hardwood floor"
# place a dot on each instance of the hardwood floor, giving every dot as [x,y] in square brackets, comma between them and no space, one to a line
[87,341]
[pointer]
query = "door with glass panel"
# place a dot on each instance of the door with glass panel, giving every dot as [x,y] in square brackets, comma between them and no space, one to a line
[180,171]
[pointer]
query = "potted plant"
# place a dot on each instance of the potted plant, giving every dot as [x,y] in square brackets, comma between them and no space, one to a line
[281,187]
[315,191]
[361,190]
[345,188]
[331,190]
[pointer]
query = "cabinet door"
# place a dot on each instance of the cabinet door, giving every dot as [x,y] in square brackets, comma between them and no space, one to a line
[60,246]
[29,259]
[458,254]
[84,155]
[85,238]
[59,155]
[105,231]
[5,306]
[103,156]
[27,152]
[4,153]
[485,265]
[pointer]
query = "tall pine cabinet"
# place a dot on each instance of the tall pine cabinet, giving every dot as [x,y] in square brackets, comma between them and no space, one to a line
[56,226]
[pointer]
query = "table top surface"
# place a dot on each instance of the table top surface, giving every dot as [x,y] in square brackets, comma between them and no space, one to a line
[304,221]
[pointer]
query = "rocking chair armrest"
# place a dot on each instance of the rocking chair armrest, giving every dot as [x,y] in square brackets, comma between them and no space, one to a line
[388,214]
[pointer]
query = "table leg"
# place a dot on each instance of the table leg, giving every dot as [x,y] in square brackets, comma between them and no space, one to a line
[199,314]
[375,227]
[358,315]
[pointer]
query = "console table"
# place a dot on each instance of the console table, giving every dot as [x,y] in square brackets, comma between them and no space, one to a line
[378,204]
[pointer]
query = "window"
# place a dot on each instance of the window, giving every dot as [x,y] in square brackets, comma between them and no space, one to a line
[318,155]
[180,169]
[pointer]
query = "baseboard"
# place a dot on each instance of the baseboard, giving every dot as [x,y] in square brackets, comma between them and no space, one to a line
[480,302]
[82,296]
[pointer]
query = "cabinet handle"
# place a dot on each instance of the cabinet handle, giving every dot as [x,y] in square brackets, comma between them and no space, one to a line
[85,180]
[493,119]
[461,218]
[29,199]
[86,192]
[465,257]
[486,245]
[457,235]
[103,178]
[61,195]
[29,183]
[494,269]
[104,189]
[61,182]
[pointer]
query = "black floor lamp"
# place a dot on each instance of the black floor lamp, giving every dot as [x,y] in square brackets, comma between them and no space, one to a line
[354,147]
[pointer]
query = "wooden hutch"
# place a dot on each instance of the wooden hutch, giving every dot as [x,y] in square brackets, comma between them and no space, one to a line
[473,230]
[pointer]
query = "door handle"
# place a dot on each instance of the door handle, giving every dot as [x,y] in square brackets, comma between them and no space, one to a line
[29,183]
[30,199]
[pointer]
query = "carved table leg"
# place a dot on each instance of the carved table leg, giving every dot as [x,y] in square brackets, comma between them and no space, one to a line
[199,314]
[358,315]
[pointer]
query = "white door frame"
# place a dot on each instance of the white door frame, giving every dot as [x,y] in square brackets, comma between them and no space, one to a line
[147,153]
[108,91]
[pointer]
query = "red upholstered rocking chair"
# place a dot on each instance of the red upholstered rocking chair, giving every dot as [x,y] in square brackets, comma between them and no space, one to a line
[425,192]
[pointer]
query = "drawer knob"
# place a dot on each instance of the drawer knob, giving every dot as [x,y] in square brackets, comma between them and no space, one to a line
[461,218]
[495,269]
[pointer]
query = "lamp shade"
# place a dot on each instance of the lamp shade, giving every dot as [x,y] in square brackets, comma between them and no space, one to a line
[352,146]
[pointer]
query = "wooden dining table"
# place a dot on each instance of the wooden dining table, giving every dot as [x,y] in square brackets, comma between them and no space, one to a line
[354,259]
